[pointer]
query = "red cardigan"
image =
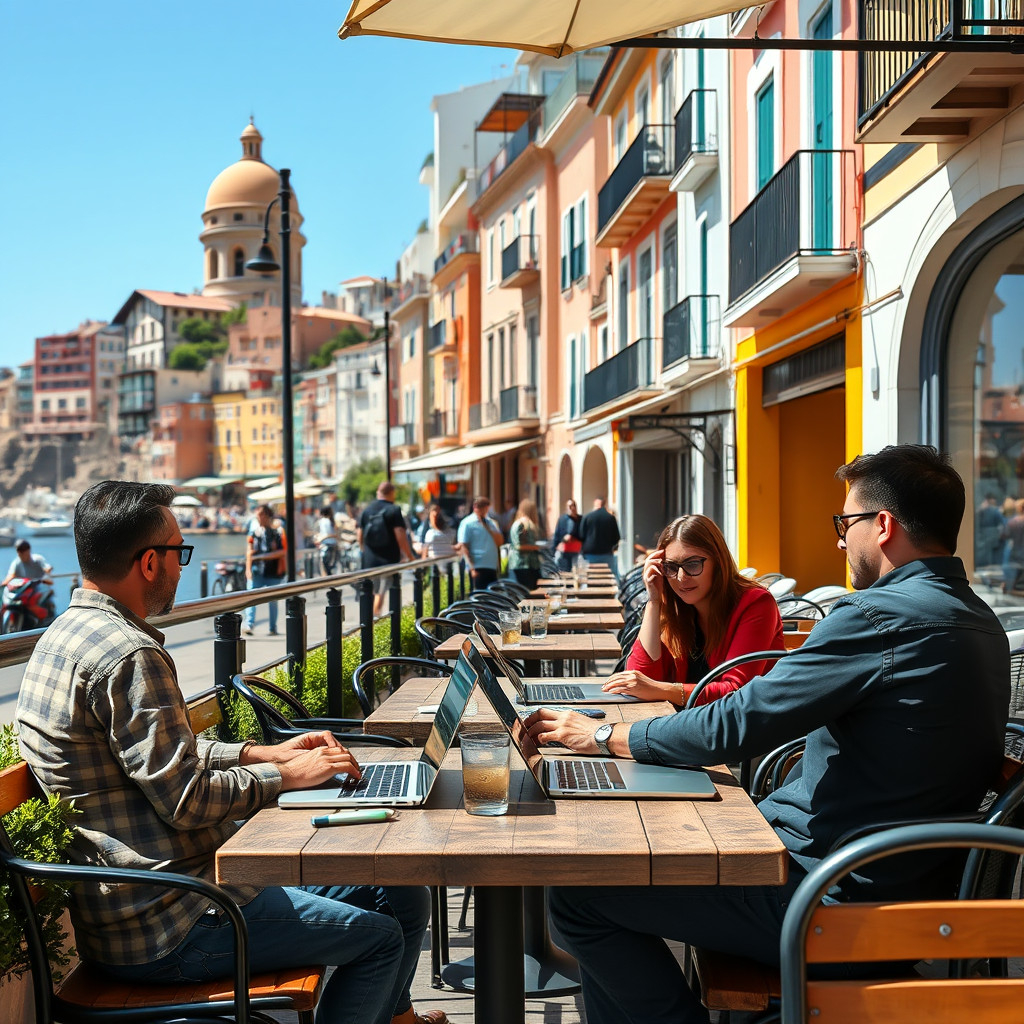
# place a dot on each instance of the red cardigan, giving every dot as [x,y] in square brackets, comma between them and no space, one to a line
[755,625]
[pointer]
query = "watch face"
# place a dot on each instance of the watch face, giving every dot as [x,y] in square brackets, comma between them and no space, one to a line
[603,734]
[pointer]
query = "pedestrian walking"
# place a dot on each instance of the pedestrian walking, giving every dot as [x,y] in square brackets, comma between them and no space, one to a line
[599,532]
[383,538]
[264,563]
[479,541]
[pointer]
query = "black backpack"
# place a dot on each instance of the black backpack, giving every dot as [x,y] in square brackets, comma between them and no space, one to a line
[376,535]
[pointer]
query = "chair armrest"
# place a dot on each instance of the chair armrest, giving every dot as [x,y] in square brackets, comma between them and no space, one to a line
[880,826]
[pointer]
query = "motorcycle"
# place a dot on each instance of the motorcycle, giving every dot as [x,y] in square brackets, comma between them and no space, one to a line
[26,604]
[230,577]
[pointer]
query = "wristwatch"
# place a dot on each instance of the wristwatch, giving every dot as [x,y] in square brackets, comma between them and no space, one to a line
[601,738]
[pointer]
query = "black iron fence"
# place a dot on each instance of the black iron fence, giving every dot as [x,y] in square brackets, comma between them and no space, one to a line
[517,402]
[801,210]
[692,330]
[442,423]
[438,333]
[651,154]
[626,371]
[521,254]
[697,125]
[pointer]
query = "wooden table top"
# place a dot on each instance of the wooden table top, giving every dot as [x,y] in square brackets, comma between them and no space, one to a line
[592,604]
[581,646]
[592,620]
[400,716]
[539,842]
[544,588]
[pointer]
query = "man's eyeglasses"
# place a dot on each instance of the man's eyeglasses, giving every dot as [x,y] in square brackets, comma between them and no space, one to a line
[184,551]
[842,523]
[688,567]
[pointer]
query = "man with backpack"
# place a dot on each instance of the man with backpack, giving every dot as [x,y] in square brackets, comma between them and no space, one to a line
[383,538]
[260,571]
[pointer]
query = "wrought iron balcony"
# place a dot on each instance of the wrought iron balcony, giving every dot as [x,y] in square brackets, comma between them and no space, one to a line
[578,81]
[402,435]
[637,186]
[518,402]
[692,330]
[526,133]
[899,102]
[696,138]
[519,263]
[442,423]
[415,287]
[437,336]
[626,371]
[460,244]
[795,237]
[483,414]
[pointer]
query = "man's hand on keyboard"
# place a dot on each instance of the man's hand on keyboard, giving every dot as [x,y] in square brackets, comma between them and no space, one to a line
[314,765]
[563,727]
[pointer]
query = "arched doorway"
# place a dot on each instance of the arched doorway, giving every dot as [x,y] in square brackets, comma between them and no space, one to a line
[564,483]
[594,478]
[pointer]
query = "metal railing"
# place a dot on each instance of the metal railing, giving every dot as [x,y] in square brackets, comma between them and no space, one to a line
[883,72]
[626,371]
[402,434]
[801,210]
[436,339]
[464,242]
[520,254]
[442,423]
[651,154]
[697,125]
[483,414]
[526,133]
[408,289]
[517,402]
[578,80]
[692,330]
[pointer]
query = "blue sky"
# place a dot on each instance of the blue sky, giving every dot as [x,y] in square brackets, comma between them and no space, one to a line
[116,117]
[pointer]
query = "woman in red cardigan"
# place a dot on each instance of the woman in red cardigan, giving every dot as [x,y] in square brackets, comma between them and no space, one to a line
[700,612]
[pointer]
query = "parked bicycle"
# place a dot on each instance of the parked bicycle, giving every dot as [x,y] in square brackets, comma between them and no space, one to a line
[230,577]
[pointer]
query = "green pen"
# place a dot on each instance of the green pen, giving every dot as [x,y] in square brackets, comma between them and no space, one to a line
[353,817]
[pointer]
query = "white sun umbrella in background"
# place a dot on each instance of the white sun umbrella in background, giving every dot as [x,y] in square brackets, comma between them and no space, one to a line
[186,501]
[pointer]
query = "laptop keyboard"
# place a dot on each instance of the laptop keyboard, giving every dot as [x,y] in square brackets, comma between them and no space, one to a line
[587,775]
[555,691]
[378,780]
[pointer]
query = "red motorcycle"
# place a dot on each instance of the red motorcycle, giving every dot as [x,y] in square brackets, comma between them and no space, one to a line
[26,604]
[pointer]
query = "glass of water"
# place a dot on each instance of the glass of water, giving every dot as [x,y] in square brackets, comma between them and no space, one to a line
[511,623]
[538,621]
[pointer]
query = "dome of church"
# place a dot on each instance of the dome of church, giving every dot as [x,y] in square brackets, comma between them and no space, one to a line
[250,180]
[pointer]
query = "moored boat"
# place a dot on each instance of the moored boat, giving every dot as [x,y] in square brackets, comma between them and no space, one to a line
[47,527]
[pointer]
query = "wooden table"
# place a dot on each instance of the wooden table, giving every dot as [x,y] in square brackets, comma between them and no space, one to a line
[578,646]
[539,842]
[592,604]
[592,621]
[545,587]
[399,715]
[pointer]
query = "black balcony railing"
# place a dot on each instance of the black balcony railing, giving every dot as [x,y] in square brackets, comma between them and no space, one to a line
[438,333]
[526,133]
[881,73]
[521,254]
[442,423]
[801,210]
[402,434]
[458,245]
[697,125]
[517,402]
[625,371]
[692,330]
[651,154]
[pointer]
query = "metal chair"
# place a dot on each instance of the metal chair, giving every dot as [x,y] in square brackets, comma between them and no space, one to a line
[512,587]
[364,678]
[433,630]
[276,727]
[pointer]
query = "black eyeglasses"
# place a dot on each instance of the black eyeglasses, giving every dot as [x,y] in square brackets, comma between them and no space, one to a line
[184,551]
[688,567]
[841,524]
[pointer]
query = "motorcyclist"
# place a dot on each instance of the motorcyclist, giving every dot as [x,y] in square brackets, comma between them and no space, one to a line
[28,566]
[327,540]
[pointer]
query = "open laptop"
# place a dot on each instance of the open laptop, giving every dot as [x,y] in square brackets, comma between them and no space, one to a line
[545,693]
[399,783]
[589,777]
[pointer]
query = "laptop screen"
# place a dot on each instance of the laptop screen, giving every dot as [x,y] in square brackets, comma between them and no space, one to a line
[492,649]
[449,713]
[523,741]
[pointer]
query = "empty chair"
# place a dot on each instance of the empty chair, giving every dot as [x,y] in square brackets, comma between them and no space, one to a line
[782,586]
[827,594]
[750,572]
[367,677]
[510,587]
[433,630]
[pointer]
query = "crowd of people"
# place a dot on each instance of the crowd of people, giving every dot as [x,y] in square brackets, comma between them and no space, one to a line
[877,690]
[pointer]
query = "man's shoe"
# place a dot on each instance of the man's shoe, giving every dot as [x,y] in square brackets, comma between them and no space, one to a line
[272,632]
[427,1017]
[247,631]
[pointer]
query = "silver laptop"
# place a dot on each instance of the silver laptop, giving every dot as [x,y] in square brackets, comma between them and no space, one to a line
[579,777]
[399,783]
[545,693]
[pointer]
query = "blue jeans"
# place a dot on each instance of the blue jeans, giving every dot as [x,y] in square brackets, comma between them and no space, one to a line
[348,927]
[627,970]
[608,560]
[250,613]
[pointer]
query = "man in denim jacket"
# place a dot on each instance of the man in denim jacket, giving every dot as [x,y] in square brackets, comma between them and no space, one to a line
[902,693]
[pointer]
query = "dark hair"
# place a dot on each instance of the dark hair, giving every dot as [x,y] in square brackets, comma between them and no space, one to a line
[267,510]
[23,545]
[442,523]
[326,511]
[113,520]
[679,619]
[918,485]
[480,500]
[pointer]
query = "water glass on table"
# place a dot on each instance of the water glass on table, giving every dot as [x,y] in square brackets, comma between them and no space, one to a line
[485,772]
[538,621]
[511,623]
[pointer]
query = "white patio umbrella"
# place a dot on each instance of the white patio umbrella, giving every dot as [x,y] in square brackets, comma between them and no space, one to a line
[555,27]
[186,501]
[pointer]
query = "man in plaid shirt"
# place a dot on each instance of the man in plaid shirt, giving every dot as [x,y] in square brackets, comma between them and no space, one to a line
[102,722]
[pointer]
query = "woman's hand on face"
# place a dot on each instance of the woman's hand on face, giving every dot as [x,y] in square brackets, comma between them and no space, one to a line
[636,684]
[653,575]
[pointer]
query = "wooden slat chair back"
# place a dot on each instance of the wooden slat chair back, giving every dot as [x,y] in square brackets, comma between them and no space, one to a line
[88,996]
[865,933]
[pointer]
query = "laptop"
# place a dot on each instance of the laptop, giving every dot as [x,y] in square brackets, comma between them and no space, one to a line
[545,693]
[588,777]
[398,783]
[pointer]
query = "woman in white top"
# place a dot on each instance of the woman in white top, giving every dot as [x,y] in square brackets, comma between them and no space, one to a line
[327,541]
[437,541]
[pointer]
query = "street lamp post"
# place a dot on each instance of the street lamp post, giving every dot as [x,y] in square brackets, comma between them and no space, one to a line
[387,384]
[265,263]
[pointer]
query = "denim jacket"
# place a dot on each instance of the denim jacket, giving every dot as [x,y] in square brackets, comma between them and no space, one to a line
[902,691]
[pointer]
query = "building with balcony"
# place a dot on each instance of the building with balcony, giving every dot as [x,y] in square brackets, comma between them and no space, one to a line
[795,287]
[142,391]
[8,399]
[246,434]
[316,412]
[360,424]
[944,233]
[182,441]
[24,388]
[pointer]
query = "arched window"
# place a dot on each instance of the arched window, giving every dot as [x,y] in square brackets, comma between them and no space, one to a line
[239,258]
[213,265]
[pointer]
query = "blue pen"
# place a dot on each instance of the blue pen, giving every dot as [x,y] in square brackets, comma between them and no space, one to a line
[353,817]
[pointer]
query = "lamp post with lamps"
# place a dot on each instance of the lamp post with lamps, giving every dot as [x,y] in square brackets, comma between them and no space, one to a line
[264,263]
[387,384]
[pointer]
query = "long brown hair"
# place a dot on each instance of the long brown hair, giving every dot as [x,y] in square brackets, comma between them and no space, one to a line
[528,510]
[678,619]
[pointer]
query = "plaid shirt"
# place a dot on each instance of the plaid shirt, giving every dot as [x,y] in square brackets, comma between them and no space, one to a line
[102,722]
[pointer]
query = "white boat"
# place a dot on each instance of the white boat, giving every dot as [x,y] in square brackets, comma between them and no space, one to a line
[47,527]
[6,535]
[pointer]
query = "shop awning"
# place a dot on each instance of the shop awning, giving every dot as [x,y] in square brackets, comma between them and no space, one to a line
[211,481]
[453,458]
